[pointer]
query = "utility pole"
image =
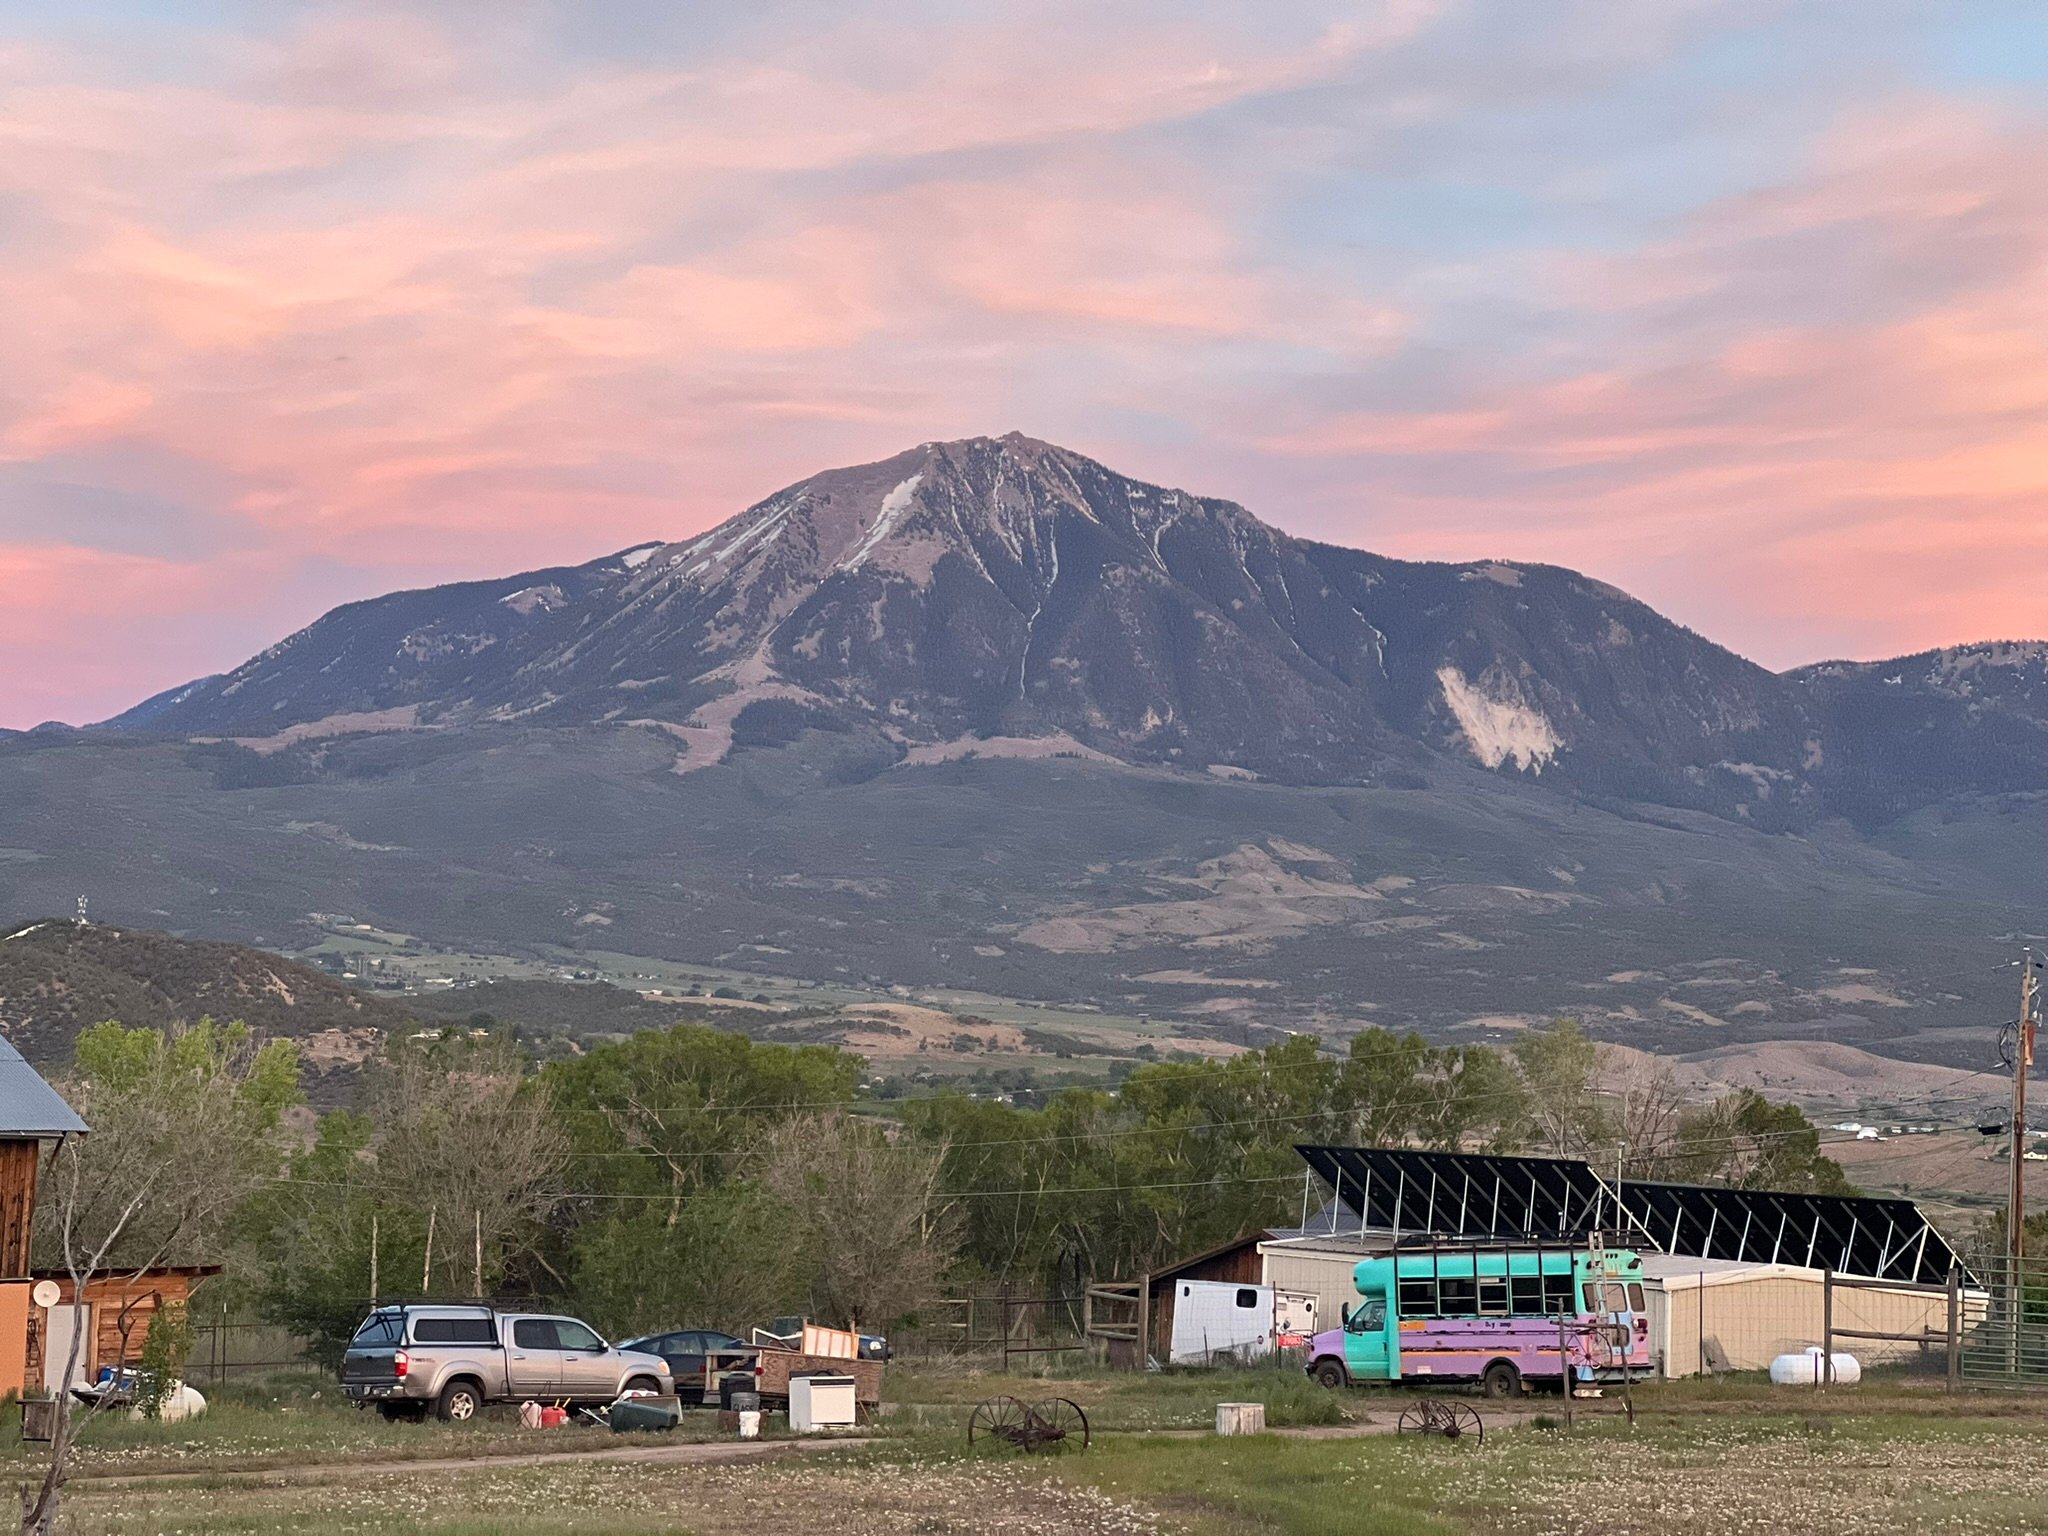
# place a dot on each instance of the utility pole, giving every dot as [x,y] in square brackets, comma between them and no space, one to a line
[2022,1058]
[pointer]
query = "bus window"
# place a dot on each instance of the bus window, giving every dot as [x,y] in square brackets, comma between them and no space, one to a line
[1590,1294]
[1635,1296]
[1617,1297]
[1493,1296]
[1557,1293]
[1458,1295]
[1370,1317]
[1418,1296]
[1525,1294]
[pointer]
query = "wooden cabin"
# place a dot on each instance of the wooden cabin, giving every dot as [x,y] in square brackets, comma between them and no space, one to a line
[119,1304]
[31,1114]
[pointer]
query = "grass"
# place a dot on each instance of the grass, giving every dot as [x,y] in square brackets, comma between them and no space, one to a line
[1114,1401]
[297,1420]
[1706,1459]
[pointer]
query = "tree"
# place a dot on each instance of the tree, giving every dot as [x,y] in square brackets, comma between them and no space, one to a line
[1649,1118]
[184,1127]
[461,1146]
[730,1258]
[1744,1141]
[466,1136]
[868,1212]
[664,1127]
[1560,1068]
[1381,1094]
[191,1119]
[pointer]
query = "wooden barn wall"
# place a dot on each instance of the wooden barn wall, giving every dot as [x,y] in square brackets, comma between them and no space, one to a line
[18,1160]
[107,1296]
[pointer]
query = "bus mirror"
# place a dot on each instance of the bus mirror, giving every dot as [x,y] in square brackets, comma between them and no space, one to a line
[1344,1314]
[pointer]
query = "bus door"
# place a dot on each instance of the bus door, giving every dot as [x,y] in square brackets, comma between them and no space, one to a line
[1369,1353]
[1617,1305]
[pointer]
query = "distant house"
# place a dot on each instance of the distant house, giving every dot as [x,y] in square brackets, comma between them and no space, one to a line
[35,1340]
[31,1113]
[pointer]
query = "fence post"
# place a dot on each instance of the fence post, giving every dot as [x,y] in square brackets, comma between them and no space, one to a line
[1825,1376]
[1144,1321]
[1955,1326]
[220,1335]
[1564,1373]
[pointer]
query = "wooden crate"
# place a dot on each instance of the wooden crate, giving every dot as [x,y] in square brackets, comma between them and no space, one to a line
[778,1365]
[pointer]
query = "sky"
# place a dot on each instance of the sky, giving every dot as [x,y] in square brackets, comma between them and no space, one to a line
[1739,305]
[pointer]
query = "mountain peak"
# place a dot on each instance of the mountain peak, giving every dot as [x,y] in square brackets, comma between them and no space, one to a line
[1007,590]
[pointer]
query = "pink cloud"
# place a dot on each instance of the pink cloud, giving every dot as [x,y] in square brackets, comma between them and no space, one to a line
[425,302]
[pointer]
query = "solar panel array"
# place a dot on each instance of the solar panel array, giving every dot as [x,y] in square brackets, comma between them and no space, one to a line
[1468,1195]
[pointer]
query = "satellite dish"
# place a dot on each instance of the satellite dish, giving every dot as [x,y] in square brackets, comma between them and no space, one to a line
[46,1294]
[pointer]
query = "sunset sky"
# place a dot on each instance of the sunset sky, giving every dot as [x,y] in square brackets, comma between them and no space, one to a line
[1742,306]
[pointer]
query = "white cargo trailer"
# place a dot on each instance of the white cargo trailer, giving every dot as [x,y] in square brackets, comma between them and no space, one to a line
[1215,1322]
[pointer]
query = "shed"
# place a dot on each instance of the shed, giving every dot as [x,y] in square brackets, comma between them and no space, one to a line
[119,1304]
[1132,1333]
[1740,1316]
[1321,1264]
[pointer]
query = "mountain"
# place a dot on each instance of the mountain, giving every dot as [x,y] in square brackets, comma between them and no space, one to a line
[1007,591]
[988,721]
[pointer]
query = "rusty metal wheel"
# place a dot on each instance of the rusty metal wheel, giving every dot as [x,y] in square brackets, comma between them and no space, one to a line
[1001,1419]
[1059,1424]
[1459,1422]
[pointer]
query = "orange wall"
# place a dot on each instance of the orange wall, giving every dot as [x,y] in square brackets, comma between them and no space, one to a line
[14,1337]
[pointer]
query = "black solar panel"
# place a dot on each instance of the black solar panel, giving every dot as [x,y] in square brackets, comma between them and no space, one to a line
[1459,1194]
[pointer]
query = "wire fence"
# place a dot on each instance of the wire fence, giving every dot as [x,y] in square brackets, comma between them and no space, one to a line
[1003,1328]
[225,1347]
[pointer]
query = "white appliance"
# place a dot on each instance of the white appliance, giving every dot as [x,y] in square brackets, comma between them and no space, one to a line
[1294,1318]
[821,1402]
[1215,1321]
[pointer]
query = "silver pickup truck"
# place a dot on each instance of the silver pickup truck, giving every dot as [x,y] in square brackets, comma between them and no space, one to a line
[453,1359]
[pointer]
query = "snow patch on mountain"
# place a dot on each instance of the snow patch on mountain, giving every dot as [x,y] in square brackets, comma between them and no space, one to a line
[893,506]
[1498,729]
[527,600]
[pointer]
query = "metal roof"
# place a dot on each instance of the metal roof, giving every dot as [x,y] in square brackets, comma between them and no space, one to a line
[1462,1194]
[28,1105]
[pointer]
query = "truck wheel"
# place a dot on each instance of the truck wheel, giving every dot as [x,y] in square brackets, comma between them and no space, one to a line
[644,1384]
[1501,1380]
[1331,1374]
[460,1402]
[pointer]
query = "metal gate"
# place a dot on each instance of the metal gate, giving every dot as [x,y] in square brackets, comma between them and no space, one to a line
[2002,1326]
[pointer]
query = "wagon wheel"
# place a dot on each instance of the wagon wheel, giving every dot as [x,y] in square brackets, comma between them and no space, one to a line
[1463,1424]
[1059,1424]
[1002,1419]
[1451,1421]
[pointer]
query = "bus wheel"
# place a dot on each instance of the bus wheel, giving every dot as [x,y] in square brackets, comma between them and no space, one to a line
[1501,1380]
[1331,1374]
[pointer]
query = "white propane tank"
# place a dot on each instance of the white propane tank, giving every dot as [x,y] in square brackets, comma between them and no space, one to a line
[180,1403]
[1802,1369]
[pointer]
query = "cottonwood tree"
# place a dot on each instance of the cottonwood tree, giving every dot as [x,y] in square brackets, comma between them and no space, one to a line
[1560,1068]
[1744,1141]
[184,1127]
[467,1135]
[868,1209]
